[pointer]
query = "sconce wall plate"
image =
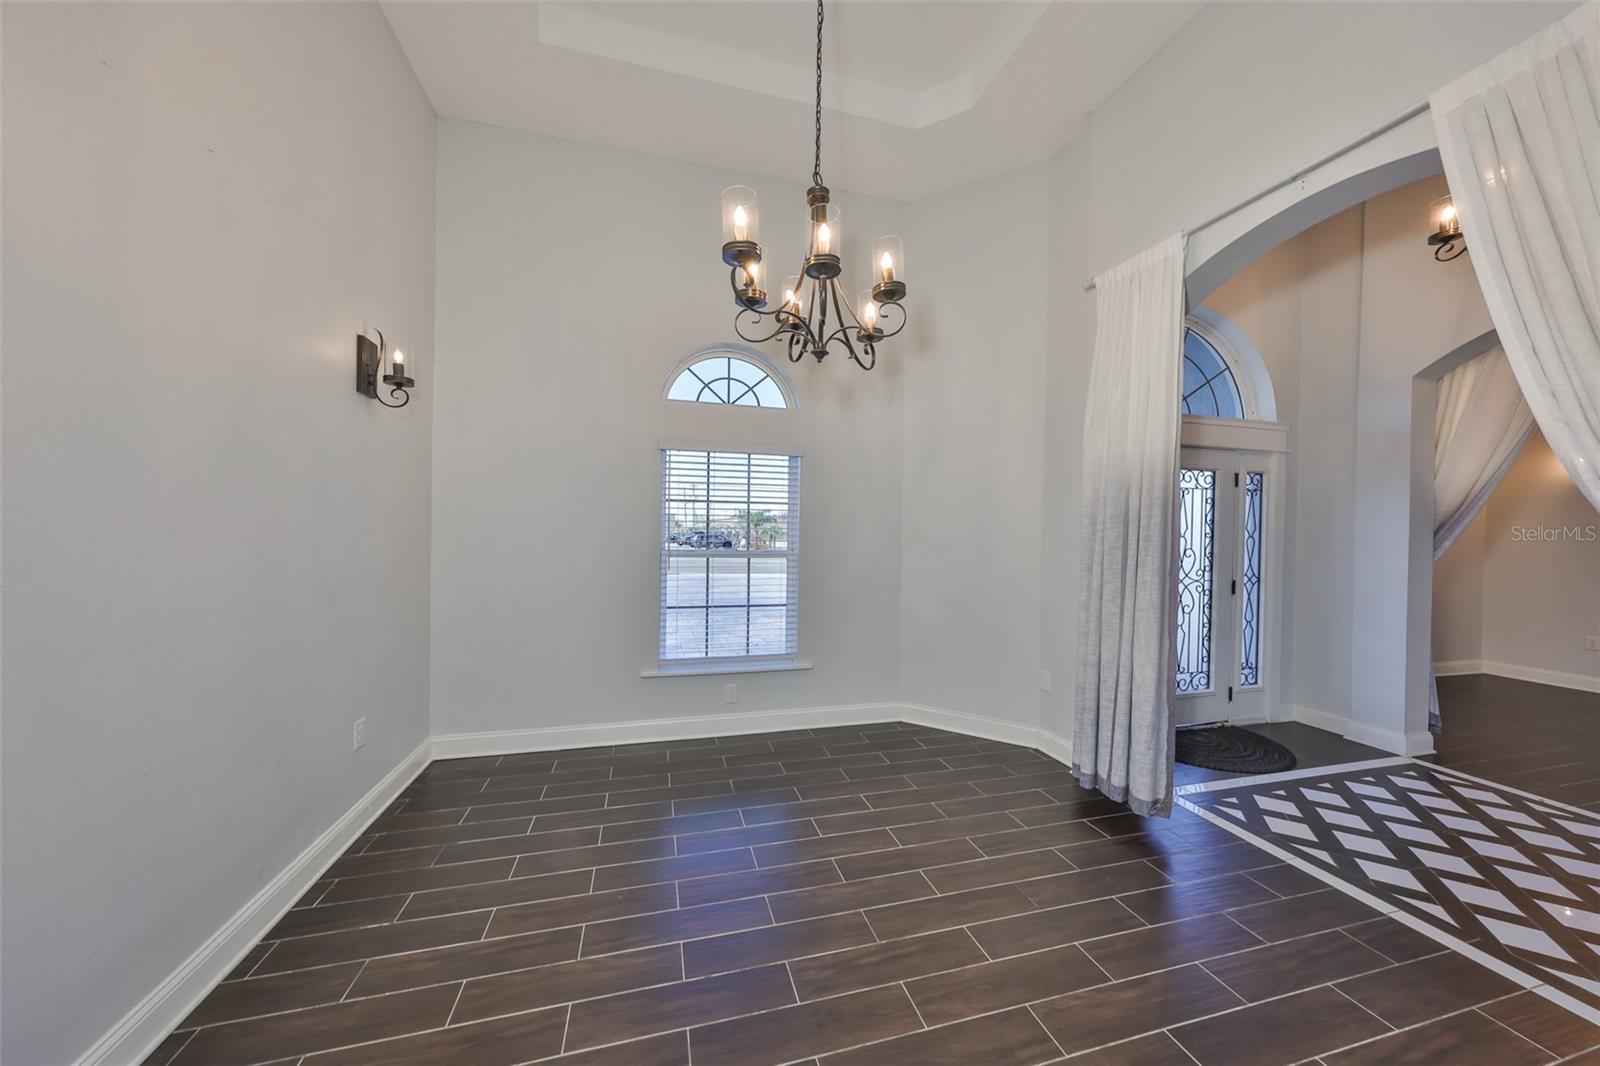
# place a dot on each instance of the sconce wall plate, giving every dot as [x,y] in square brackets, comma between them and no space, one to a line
[369,368]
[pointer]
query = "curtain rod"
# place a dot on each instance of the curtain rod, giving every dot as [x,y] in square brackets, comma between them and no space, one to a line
[1371,135]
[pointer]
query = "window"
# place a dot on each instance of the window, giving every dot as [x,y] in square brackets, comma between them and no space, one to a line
[723,378]
[1224,376]
[730,555]
[1209,387]
[1197,509]
[1250,581]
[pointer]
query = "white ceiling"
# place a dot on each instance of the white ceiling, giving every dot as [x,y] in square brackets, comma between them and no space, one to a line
[919,96]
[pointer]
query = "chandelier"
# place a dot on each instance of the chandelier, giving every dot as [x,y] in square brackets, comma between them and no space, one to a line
[812,298]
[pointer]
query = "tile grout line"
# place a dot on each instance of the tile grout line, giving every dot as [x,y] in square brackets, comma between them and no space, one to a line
[448,1018]
[345,996]
[1507,1028]
[1054,1042]
[767,901]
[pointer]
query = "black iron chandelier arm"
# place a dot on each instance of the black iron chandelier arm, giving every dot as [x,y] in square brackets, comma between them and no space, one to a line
[841,333]
[882,334]
[887,333]
[786,321]
[807,329]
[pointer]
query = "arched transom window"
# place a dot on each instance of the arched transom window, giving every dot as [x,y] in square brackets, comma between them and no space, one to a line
[1223,374]
[727,379]
[1209,387]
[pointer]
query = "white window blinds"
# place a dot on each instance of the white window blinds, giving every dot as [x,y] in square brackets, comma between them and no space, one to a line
[730,555]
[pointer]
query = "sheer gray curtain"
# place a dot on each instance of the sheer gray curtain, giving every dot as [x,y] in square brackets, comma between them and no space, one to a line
[1481,422]
[1123,729]
[1520,139]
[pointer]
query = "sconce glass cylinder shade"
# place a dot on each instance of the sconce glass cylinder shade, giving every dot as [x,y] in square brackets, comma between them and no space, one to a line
[889,269]
[741,240]
[826,240]
[1446,238]
[867,310]
[1446,222]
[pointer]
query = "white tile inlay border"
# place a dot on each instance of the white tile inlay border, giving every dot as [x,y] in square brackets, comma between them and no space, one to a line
[1289,775]
[1518,977]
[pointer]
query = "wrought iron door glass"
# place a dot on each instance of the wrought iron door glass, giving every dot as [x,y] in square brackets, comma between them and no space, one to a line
[1250,579]
[1197,504]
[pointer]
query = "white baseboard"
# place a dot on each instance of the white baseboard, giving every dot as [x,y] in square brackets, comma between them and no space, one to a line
[1052,744]
[158,1014]
[1382,739]
[650,730]
[1389,740]
[1315,717]
[1558,678]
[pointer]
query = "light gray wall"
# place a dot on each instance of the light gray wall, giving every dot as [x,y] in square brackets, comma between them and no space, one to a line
[974,449]
[1541,575]
[1520,587]
[1248,92]
[1242,96]
[215,550]
[1299,305]
[1458,596]
[1322,468]
[1414,312]
[1070,338]
[571,280]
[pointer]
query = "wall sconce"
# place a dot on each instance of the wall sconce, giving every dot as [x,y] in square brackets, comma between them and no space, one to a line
[1446,237]
[369,365]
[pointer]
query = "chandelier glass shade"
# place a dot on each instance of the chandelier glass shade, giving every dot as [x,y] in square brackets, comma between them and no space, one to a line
[810,313]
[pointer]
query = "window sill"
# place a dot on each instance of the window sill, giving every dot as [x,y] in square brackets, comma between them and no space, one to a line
[701,669]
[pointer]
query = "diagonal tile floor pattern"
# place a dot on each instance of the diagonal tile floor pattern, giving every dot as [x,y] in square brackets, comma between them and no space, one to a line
[1515,875]
[858,895]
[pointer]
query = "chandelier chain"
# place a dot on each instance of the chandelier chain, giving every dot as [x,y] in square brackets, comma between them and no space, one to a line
[816,164]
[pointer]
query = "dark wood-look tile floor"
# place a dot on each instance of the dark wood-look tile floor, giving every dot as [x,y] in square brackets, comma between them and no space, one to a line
[1538,738]
[873,894]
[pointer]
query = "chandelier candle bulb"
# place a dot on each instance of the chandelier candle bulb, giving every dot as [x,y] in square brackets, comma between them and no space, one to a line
[868,307]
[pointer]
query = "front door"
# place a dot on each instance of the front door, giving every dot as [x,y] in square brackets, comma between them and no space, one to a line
[1219,666]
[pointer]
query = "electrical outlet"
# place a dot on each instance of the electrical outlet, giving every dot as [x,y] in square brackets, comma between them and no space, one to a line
[358,736]
[1592,643]
[730,693]
[1045,680]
